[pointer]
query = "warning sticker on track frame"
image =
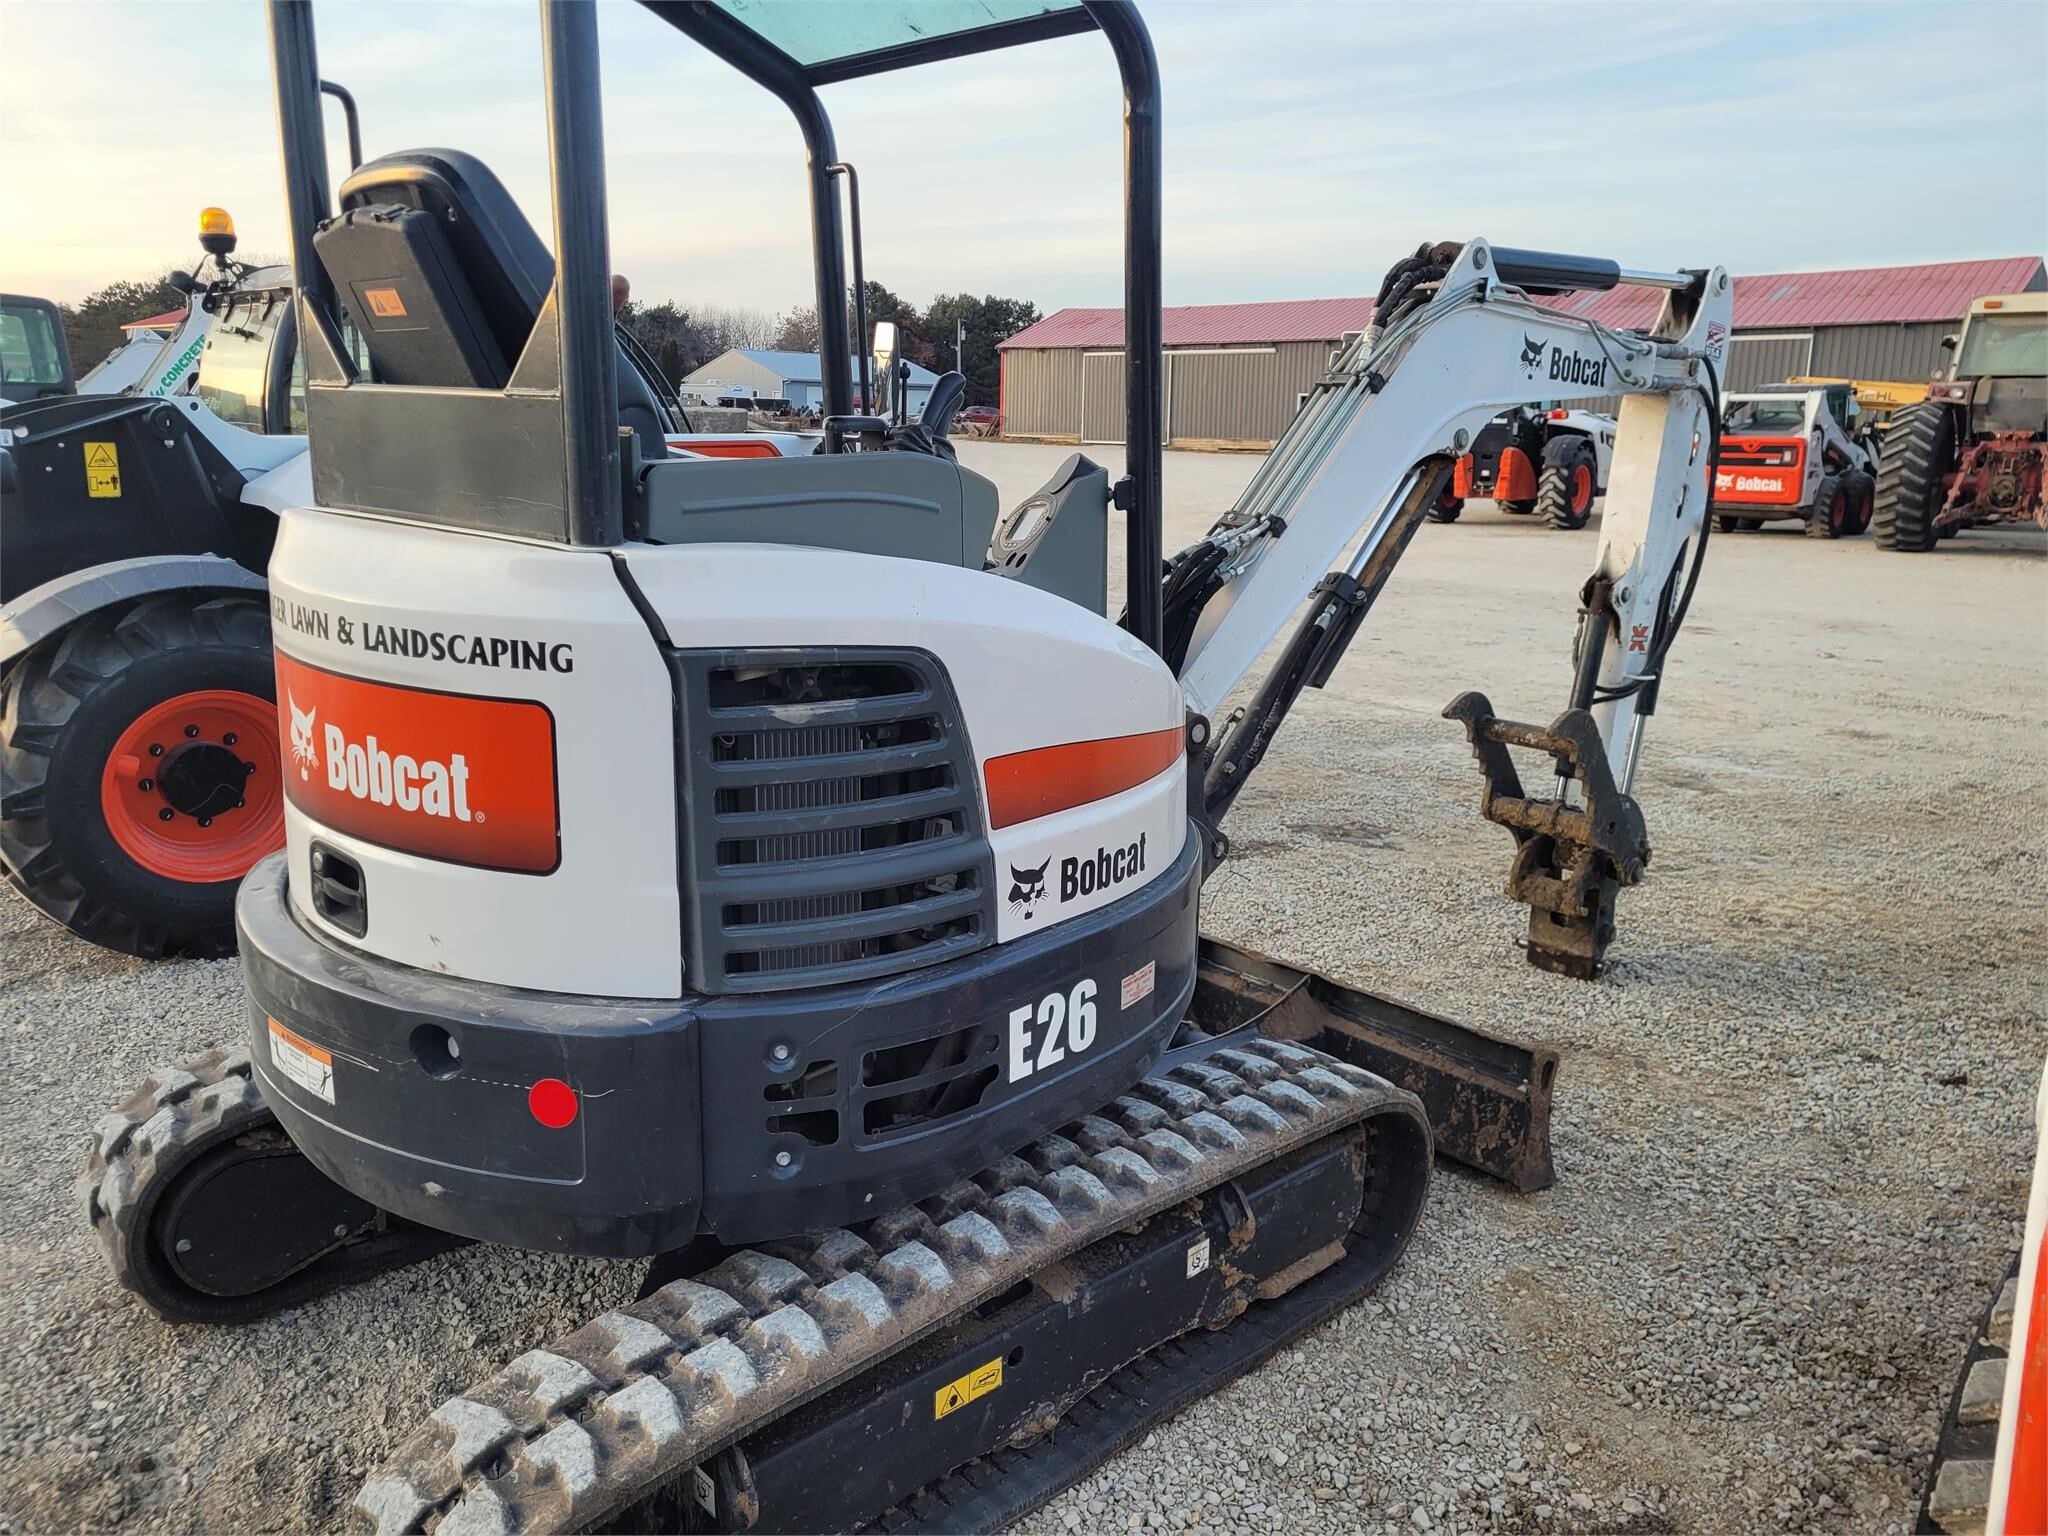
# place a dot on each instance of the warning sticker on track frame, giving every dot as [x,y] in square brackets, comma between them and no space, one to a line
[305,1063]
[976,1383]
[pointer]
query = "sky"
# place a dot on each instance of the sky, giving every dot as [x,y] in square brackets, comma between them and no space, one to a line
[1307,145]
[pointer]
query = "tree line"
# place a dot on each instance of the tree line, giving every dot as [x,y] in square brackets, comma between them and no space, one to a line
[680,337]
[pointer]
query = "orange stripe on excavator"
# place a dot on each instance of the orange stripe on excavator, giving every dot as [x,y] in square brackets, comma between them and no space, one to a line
[2026,1500]
[1023,786]
[735,448]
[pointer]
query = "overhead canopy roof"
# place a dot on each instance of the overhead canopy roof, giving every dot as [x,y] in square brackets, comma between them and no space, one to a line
[830,40]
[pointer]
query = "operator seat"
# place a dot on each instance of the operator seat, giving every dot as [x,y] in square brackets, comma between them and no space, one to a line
[445,278]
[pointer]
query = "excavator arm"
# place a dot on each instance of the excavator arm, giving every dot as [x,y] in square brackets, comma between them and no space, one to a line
[1458,337]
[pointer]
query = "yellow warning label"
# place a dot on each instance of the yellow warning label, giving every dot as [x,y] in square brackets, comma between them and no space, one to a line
[976,1383]
[102,470]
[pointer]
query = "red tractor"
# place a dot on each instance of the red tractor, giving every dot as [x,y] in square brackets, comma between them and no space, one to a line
[1974,452]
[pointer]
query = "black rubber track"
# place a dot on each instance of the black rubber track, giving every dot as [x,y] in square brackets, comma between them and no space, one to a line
[1001,1488]
[165,1129]
[1561,456]
[1917,451]
[60,706]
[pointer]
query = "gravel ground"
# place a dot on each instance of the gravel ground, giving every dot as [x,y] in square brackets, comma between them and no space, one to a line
[1790,1124]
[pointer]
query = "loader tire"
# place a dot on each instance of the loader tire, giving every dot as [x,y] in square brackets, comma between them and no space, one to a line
[1729,522]
[1917,452]
[1568,482]
[1445,508]
[139,771]
[1860,490]
[1830,511]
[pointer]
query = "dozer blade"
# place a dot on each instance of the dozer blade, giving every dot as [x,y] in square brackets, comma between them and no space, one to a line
[1570,860]
[1488,1099]
[569,1436]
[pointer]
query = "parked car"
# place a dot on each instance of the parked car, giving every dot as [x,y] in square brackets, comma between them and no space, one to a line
[979,420]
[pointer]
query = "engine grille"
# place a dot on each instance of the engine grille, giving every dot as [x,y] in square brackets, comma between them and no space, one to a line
[835,833]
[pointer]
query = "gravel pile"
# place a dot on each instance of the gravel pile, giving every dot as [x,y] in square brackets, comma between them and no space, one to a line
[1791,1124]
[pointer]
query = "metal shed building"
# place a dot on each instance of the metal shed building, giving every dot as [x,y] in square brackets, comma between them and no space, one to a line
[1235,371]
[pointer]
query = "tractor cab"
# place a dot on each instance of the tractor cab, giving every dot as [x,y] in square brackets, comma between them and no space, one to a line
[2000,370]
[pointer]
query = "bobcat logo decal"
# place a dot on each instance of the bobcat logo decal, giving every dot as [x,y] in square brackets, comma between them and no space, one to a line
[1027,889]
[302,737]
[1532,354]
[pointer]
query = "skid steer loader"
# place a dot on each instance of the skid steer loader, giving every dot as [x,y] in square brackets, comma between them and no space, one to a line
[719,861]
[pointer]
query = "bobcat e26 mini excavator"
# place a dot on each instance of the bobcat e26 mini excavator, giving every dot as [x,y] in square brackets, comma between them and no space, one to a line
[785,869]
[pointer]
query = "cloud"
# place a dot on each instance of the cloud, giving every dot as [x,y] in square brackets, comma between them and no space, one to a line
[1307,144]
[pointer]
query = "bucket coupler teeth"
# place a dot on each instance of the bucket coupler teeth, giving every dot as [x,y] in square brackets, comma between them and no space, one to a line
[1570,860]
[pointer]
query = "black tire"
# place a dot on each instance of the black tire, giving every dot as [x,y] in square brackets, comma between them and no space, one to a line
[1917,453]
[1830,510]
[63,706]
[1861,492]
[1568,482]
[1729,522]
[1518,508]
[1447,508]
[1750,524]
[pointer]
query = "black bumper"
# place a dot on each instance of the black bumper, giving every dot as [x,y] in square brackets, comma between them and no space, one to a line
[687,1119]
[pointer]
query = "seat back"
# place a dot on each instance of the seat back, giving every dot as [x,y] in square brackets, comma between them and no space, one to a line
[445,278]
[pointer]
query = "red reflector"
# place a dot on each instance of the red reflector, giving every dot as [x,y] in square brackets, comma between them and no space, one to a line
[1026,785]
[1559,415]
[553,1102]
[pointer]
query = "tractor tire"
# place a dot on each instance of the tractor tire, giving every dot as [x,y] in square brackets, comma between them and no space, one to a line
[1729,522]
[1750,524]
[1830,511]
[1569,481]
[1860,490]
[139,771]
[1917,452]
[1518,508]
[1446,508]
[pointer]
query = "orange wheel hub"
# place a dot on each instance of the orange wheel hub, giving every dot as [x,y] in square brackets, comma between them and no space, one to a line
[1582,489]
[192,790]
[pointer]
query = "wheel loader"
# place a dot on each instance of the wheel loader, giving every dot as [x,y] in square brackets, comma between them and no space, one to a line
[1536,460]
[791,869]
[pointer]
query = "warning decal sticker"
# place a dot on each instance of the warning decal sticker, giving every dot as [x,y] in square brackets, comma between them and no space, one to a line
[302,1061]
[976,1383]
[102,469]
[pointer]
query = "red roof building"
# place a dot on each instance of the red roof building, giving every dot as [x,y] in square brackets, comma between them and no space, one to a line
[1234,372]
[166,322]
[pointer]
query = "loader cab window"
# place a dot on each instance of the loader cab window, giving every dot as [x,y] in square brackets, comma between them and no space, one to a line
[295,396]
[1783,414]
[2004,347]
[234,370]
